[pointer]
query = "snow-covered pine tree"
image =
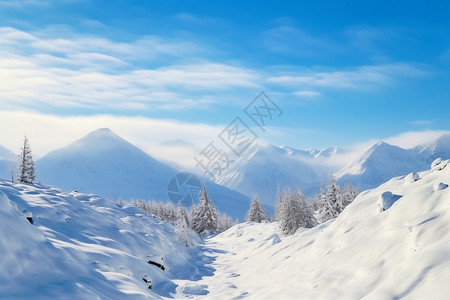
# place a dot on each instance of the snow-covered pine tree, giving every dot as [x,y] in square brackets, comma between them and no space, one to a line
[182,226]
[225,222]
[205,217]
[26,164]
[289,211]
[182,213]
[256,213]
[12,171]
[330,203]
[306,211]
[278,204]
[349,194]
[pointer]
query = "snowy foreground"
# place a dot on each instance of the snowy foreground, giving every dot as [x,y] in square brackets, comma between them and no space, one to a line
[403,252]
[85,247]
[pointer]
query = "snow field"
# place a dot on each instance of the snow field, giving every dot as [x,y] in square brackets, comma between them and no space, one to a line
[402,252]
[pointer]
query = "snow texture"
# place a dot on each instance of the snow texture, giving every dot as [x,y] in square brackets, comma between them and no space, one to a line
[82,246]
[401,253]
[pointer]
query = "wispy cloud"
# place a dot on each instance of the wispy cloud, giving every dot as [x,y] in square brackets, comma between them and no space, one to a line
[421,122]
[361,77]
[307,94]
[412,139]
[89,72]
[289,39]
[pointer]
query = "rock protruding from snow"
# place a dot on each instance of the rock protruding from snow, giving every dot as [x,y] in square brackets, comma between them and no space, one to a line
[436,162]
[412,177]
[386,200]
[440,186]
[439,164]
[29,215]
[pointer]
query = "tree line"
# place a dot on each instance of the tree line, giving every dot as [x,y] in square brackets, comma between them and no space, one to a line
[203,218]
[294,211]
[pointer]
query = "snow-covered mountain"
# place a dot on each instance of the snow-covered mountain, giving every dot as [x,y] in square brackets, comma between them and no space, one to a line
[84,247]
[438,148]
[7,158]
[366,253]
[105,164]
[381,162]
[262,168]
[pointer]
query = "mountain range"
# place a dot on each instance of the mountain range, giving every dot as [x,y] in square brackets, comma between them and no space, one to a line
[105,164]
[264,168]
[108,165]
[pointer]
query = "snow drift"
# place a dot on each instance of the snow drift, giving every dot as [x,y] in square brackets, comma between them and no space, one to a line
[84,247]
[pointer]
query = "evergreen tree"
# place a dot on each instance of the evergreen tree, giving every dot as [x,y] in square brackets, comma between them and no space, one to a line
[256,213]
[225,222]
[205,217]
[182,226]
[26,164]
[331,202]
[293,212]
[349,194]
[278,204]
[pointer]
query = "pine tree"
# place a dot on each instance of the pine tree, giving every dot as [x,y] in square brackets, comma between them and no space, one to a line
[331,202]
[182,226]
[225,222]
[26,164]
[205,217]
[278,204]
[349,194]
[256,213]
[292,212]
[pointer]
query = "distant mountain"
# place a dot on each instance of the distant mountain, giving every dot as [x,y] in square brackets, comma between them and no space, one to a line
[438,148]
[7,158]
[262,168]
[103,163]
[6,154]
[381,162]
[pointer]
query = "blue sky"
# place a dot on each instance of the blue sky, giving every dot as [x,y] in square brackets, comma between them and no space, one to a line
[343,72]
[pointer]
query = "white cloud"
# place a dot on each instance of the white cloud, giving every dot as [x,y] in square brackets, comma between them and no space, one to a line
[361,77]
[96,73]
[412,139]
[421,122]
[287,38]
[307,94]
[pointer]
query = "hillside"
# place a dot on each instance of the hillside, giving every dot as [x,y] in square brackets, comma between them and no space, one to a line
[402,252]
[82,246]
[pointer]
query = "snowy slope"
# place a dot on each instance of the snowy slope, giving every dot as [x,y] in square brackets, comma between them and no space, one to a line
[83,247]
[263,168]
[403,252]
[105,164]
[6,158]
